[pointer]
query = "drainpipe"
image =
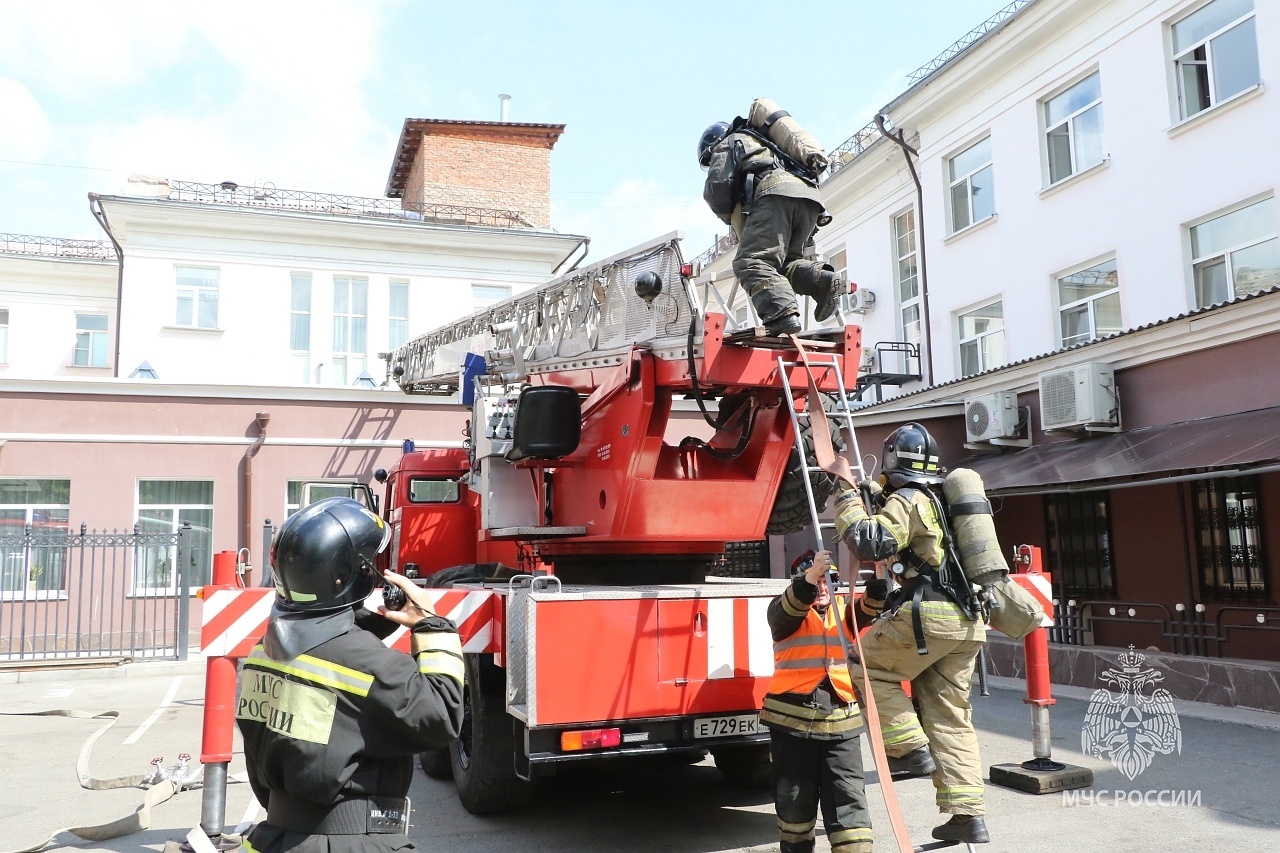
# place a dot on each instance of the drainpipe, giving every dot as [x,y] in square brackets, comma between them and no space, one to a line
[246,482]
[95,207]
[899,138]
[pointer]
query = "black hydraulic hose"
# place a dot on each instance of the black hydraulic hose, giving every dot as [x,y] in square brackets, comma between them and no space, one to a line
[723,420]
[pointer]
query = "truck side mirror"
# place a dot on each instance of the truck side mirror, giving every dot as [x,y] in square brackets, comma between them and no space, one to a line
[548,423]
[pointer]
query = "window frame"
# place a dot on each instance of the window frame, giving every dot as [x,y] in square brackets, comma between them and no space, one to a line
[1089,301]
[201,574]
[478,304]
[301,358]
[4,335]
[397,324]
[1225,254]
[912,256]
[1215,557]
[1069,120]
[952,183]
[29,509]
[291,506]
[349,362]
[196,291]
[96,346]
[1176,63]
[1080,570]
[978,338]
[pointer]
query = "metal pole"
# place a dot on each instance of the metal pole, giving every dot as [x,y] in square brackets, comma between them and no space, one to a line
[219,718]
[183,593]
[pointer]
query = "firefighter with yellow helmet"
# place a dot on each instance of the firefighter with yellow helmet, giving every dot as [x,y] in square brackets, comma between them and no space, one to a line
[929,629]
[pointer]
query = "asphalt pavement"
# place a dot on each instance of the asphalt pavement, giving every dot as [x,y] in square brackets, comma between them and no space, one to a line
[1215,793]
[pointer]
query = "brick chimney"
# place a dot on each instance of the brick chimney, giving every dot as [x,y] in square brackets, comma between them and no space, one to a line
[493,164]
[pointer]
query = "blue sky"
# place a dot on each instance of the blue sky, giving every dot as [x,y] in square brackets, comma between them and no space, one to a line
[312,95]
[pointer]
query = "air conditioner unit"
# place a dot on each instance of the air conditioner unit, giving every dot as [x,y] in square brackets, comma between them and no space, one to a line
[991,416]
[1081,396]
[858,302]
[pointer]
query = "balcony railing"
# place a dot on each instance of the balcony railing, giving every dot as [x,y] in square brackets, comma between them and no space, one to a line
[970,38]
[722,244]
[273,198]
[55,247]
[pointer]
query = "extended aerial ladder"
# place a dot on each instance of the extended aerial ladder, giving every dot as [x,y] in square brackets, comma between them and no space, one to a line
[631,334]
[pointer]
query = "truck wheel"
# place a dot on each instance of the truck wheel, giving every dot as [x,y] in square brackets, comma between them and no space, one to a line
[436,763]
[791,507]
[743,766]
[483,756]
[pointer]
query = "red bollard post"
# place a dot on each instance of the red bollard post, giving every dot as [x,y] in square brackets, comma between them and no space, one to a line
[219,718]
[1040,775]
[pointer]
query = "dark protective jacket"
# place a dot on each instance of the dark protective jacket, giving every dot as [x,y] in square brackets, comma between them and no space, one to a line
[330,734]
[744,169]
[820,713]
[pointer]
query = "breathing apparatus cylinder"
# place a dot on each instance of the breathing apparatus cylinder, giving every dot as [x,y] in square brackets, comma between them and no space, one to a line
[786,133]
[974,527]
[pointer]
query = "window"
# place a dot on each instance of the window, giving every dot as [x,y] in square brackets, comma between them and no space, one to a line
[197,298]
[1228,539]
[1215,54]
[1089,304]
[433,491]
[320,489]
[972,182]
[848,301]
[300,326]
[907,276]
[484,295]
[91,340]
[350,320]
[981,337]
[1079,538]
[1073,128]
[1235,254]
[398,315]
[4,335]
[38,571]
[163,507]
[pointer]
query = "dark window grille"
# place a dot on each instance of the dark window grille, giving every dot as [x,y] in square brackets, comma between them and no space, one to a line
[743,560]
[1228,539]
[1079,528]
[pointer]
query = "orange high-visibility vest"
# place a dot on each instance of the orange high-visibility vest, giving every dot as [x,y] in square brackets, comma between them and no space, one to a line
[814,651]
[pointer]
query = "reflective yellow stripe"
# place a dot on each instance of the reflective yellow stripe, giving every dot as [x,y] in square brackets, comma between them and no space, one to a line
[939,609]
[245,845]
[845,836]
[791,606]
[841,712]
[442,663]
[960,795]
[315,670]
[436,641]
[901,733]
[797,827]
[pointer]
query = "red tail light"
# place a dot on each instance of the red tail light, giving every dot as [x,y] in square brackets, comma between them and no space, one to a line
[686,270]
[590,739]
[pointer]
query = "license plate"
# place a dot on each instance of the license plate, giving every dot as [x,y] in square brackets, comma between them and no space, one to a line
[739,724]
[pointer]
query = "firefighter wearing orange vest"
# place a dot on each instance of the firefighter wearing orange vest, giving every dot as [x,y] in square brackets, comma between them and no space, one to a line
[813,717]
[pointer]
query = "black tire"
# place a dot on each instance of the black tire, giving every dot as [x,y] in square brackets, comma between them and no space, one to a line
[744,766]
[791,507]
[437,763]
[483,755]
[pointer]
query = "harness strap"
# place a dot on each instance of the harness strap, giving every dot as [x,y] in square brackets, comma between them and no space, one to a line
[917,627]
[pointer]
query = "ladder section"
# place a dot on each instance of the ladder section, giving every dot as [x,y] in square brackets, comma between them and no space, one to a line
[819,420]
[585,318]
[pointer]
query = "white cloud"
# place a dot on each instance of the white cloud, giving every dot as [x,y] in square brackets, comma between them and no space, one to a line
[24,128]
[636,211]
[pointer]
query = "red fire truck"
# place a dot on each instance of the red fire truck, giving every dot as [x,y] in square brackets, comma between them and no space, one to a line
[582,520]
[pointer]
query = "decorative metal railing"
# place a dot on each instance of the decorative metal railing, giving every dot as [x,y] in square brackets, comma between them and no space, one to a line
[722,244]
[56,247]
[852,148]
[969,39]
[1189,630]
[271,197]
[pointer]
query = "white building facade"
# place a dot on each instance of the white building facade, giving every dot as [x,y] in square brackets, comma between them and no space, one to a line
[1086,167]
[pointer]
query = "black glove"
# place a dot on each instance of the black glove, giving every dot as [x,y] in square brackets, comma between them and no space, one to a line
[877,589]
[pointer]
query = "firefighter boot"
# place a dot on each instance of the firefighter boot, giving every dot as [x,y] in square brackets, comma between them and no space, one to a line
[818,280]
[917,762]
[964,829]
[780,327]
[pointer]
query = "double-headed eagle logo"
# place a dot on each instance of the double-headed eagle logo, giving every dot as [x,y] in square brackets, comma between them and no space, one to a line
[1133,724]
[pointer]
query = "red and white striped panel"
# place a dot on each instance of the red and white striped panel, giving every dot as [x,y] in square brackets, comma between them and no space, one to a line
[235,619]
[1041,588]
[739,644]
[472,611]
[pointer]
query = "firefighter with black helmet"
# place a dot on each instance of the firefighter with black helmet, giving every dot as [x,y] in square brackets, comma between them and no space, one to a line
[929,630]
[331,718]
[813,717]
[771,201]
